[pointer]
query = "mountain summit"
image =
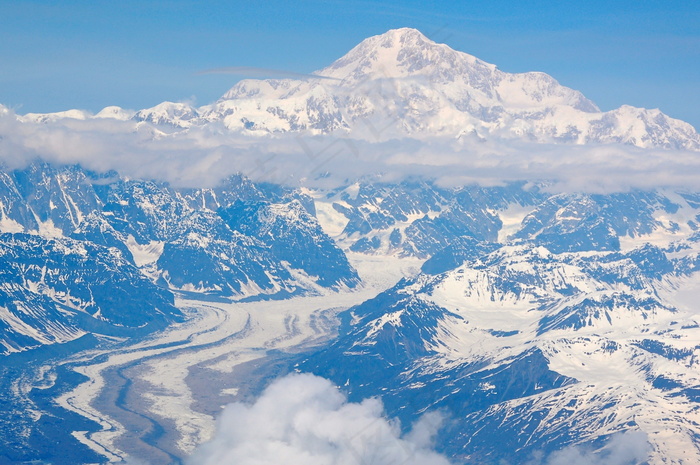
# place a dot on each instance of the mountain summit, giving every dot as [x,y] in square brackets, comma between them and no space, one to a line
[402,84]
[407,54]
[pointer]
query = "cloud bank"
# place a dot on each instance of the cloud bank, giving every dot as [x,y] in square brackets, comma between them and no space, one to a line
[203,156]
[629,448]
[303,419]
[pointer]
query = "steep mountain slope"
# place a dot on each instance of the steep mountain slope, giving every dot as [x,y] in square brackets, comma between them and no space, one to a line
[529,351]
[89,232]
[403,76]
[294,236]
[571,329]
[420,219]
[57,290]
[540,320]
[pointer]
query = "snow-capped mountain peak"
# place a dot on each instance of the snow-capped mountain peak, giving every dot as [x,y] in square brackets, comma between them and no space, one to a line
[115,112]
[398,53]
[410,86]
[407,53]
[177,114]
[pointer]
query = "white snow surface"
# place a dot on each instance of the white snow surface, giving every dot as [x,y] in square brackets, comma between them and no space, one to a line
[114,112]
[401,83]
[144,254]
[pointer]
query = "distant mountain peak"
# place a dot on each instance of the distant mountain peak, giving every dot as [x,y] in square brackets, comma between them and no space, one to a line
[400,53]
[411,86]
[115,112]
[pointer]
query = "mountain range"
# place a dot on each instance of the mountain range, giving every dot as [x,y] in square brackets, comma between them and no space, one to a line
[537,321]
[402,84]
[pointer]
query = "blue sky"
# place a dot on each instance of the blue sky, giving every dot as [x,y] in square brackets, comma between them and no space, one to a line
[90,54]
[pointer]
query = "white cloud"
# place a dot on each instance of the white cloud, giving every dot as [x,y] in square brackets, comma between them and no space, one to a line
[203,156]
[629,448]
[302,419]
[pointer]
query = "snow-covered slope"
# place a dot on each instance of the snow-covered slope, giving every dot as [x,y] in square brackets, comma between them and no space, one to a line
[576,324]
[180,115]
[421,219]
[52,117]
[530,302]
[530,351]
[402,84]
[115,112]
[57,290]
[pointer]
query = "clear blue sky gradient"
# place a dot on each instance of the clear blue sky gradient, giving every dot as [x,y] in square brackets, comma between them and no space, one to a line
[56,55]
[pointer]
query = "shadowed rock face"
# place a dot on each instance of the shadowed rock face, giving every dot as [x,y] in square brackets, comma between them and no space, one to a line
[56,290]
[294,236]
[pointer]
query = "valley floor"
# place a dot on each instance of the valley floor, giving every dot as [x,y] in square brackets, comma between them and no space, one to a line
[157,399]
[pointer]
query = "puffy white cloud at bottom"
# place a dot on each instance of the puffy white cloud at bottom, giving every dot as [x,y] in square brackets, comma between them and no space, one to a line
[303,419]
[629,448]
